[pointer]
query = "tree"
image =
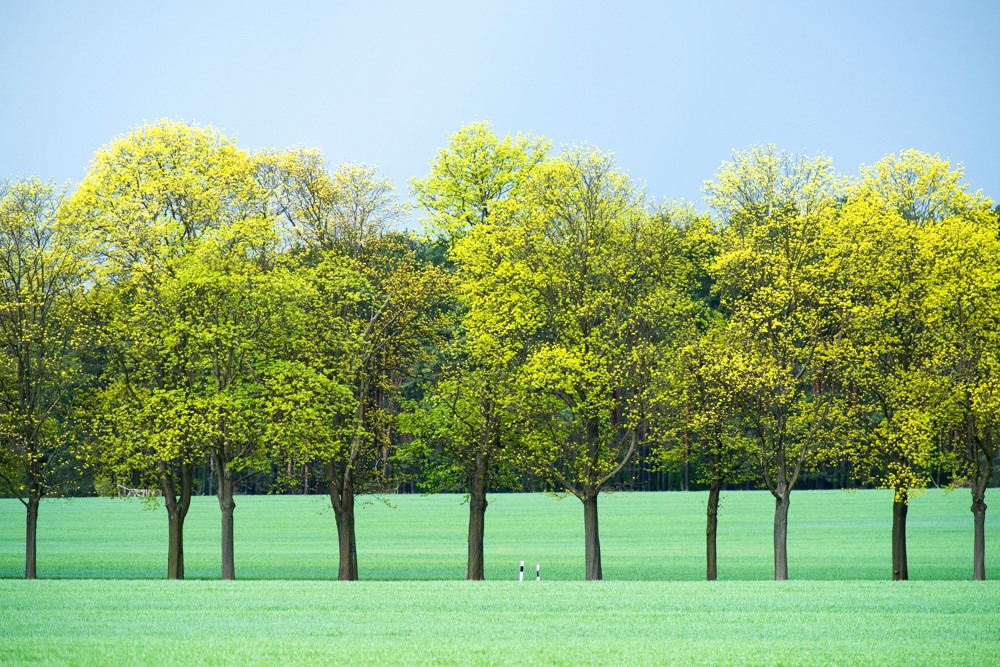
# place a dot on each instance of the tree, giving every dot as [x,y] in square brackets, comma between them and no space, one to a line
[775,211]
[372,309]
[235,294]
[461,432]
[575,282]
[697,413]
[960,235]
[148,423]
[917,284]
[461,422]
[42,272]
[183,236]
[699,385]
[965,310]
[890,348]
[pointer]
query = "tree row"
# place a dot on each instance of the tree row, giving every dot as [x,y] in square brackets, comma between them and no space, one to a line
[190,304]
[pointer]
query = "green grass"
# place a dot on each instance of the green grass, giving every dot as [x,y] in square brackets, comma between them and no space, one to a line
[833,535]
[570,623]
[102,600]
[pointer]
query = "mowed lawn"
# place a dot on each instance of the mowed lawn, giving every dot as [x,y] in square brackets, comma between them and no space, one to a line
[101,600]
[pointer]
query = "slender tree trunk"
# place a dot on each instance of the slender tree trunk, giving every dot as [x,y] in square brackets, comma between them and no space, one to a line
[711,530]
[346,537]
[979,535]
[899,508]
[781,502]
[475,567]
[592,538]
[175,545]
[30,533]
[342,499]
[177,509]
[226,506]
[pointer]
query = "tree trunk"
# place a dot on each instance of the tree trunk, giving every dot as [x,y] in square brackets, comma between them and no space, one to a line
[346,538]
[342,499]
[475,567]
[979,537]
[711,530]
[31,530]
[899,508]
[177,509]
[781,503]
[226,505]
[175,545]
[592,538]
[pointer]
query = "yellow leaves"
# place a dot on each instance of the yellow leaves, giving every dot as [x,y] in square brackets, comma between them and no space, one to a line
[572,287]
[149,193]
[472,175]
[918,186]
[765,184]
[42,270]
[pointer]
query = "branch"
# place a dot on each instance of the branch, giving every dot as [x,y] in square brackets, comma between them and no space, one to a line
[621,465]
[805,445]
[563,482]
[13,489]
[763,461]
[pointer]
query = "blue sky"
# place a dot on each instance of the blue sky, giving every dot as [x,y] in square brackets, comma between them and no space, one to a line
[670,88]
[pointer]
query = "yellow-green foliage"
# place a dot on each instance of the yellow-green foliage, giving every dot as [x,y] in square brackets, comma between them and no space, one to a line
[775,213]
[183,295]
[572,282]
[698,404]
[43,268]
[471,175]
[917,258]
[264,306]
[344,209]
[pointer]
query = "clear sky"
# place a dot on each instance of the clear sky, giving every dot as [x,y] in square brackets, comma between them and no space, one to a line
[672,88]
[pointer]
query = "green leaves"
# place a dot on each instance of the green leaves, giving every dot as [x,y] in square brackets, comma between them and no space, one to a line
[573,285]
[43,269]
[185,295]
[474,173]
[776,213]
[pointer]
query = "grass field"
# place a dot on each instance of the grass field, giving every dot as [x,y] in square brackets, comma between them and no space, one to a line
[652,608]
[832,535]
[569,623]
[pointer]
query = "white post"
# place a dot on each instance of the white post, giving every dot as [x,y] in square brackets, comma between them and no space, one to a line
[520,577]
[538,572]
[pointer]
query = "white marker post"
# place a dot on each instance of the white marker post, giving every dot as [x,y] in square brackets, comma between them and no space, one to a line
[538,572]
[520,577]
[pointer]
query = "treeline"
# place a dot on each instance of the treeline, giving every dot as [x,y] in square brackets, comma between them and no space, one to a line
[194,318]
